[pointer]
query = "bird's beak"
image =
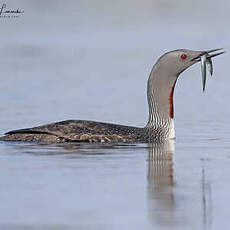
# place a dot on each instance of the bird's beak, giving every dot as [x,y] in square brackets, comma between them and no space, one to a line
[208,53]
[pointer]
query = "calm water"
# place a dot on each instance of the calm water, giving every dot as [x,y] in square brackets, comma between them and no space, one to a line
[91,61]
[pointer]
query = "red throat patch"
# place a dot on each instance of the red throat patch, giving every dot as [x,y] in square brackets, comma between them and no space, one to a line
[171,111]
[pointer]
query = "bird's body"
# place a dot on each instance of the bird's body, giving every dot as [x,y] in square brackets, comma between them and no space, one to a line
[83,131]
[160,124]
[79,131]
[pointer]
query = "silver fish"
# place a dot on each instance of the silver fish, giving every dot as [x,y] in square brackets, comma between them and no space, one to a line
[203,69]
[210,66]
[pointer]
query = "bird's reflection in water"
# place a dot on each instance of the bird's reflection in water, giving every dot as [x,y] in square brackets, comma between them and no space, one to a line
[160,183]
[165,207]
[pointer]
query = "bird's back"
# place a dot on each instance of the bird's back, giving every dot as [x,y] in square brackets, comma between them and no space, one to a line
[78,131]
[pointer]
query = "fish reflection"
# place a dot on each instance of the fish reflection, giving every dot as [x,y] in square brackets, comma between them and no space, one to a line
[206,197]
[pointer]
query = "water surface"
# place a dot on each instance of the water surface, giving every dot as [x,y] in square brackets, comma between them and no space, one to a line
[115,186]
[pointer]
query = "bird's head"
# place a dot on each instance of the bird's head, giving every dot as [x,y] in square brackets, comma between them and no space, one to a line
[176,61]
[164,75]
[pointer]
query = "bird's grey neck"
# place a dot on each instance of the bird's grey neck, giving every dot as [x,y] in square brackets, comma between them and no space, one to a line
[160,99]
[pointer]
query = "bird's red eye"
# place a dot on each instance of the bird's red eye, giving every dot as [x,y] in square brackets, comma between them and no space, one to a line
[183,56]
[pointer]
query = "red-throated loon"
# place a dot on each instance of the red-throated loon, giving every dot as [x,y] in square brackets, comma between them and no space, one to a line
[160,125]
